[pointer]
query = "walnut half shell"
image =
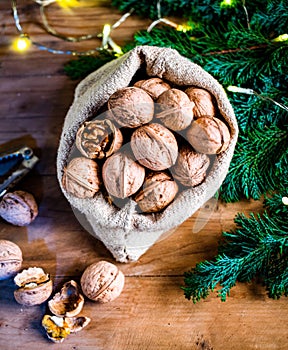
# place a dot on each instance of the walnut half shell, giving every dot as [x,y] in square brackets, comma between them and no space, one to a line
[98,139]
[68,302]
[35,286]
[58,328]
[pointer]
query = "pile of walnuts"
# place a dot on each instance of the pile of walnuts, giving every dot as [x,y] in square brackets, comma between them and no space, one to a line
[153,140]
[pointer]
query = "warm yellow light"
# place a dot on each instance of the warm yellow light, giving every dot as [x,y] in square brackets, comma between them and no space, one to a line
[77,3]
[282,37]
[21,44]
[227,3]
[68,3]
[183,28]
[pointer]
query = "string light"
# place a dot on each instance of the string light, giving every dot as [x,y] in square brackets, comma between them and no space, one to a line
[252,92]
[22,43]
[285,200]
[180,27]
[282,37]
[107,41]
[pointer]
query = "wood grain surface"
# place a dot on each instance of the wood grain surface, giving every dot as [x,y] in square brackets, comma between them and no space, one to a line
[151,312]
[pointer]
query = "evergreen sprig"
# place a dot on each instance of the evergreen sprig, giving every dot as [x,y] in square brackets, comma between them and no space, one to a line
[257,247]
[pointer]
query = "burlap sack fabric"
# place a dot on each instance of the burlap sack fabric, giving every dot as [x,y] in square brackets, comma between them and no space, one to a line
[126,233]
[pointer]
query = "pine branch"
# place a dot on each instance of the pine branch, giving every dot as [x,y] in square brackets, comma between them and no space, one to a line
[258,247]
[258,165]
[84,65]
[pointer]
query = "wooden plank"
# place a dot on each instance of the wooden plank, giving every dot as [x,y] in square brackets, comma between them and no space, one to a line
[151,313]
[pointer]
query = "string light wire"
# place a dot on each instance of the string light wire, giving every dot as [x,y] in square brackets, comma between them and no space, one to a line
[252,92]
[107,41]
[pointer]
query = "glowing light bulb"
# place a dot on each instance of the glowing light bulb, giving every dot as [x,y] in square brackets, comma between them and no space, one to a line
[183,28]
[285,200]
[282,37]
[22,43]
[227,3]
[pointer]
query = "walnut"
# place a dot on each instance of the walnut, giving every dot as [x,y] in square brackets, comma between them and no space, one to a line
[122,176]
[191,167]
[18,208]
[10,259]
[154,146]
[208,135]
[98,139]
[174,109]
[58,328]
[35,286]
[81,177]
[102,282]
[159,190]
[68,302]
[153,86]
[131,107]
[203,100]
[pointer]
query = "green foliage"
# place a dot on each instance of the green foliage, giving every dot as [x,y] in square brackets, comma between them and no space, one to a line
[259,163]
[257,247]
[84,65]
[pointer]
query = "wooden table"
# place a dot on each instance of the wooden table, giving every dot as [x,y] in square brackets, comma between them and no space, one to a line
[151,312]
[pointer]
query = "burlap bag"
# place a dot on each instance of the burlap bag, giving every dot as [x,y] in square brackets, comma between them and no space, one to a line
[126,233]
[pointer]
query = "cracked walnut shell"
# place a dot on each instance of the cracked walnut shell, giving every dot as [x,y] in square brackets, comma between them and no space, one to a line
[208,135]
[18,208]
[58,328]
[98,139]
[68,302]
[191,167]
[154,146]
[122,176]
[159,190]
[174,109]
[10,259]
[203,102]
[131,107]
[35,286]
[153,86]
[81,177]
[102,282]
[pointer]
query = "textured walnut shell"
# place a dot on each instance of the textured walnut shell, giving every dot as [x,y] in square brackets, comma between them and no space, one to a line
[76,324]
[203,100]
[191,167]
[208,135]
[81,177]
[102,282]
[153,86]
[19,208]
[174,109]
[154,146]
[10,259]
[57,329]
[159,190]
[35,286]
[131,107]
[68,302]
[122,176]
[98,139]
